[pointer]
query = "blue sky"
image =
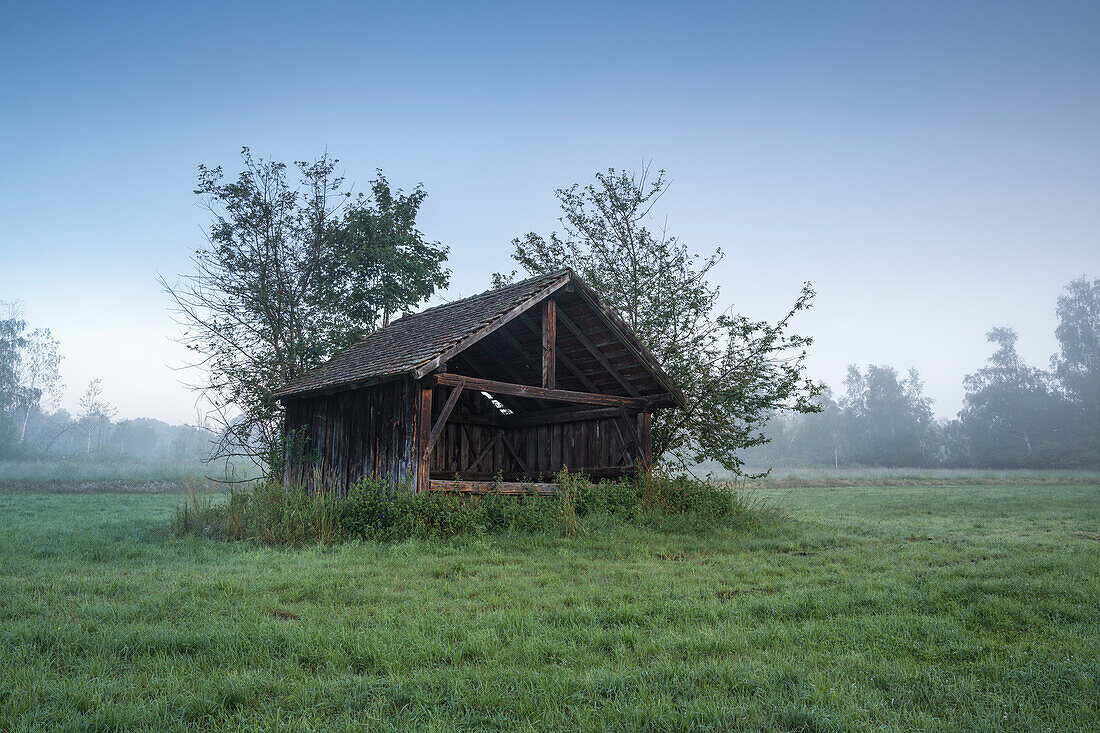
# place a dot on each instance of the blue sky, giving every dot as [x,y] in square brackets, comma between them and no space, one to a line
[933,169]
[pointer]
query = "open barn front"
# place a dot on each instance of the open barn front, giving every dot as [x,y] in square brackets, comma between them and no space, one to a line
[482,441]
[497,392]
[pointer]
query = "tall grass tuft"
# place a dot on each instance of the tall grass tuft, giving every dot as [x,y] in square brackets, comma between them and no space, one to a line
[204,512]
[294,516]
[567,484]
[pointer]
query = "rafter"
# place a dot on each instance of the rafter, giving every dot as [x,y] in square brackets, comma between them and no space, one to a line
[526,390]
[596,352]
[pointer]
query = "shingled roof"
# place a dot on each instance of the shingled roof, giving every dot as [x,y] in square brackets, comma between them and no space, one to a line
[420,342]
[418,338]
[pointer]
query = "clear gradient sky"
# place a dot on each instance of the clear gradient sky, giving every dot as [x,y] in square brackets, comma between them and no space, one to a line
[933,168]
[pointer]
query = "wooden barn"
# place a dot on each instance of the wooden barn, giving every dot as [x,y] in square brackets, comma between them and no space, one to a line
[519,382]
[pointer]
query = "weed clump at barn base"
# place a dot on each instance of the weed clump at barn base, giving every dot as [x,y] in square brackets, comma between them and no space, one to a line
[381,511]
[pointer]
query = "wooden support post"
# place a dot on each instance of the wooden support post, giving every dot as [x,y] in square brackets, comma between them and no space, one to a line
[441,421]
[645,437]
[423,430]
[549,344]
[562,356]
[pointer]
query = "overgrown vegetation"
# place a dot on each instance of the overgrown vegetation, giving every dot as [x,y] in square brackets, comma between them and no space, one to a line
[378,510]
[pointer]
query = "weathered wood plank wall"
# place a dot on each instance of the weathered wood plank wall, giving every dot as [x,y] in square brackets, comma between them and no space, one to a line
[380,431]
[365,432]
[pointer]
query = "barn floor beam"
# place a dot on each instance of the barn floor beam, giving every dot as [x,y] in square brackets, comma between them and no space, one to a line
[492,487]
[595,472]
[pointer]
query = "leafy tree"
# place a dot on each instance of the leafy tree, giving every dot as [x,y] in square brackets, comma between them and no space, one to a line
[12,342]
[95,415]
[952,443]
[822,435]
[39,377]
[1077,364]
[734,371]
[1009,409]
[888,421]
[295,269]
[384,266]
[919,409]
[135,437]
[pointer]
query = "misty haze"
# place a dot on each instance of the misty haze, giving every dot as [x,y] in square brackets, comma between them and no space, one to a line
[570,367]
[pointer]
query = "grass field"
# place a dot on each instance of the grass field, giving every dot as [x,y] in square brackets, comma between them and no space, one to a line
[804,476]
[858,609]
[111,475]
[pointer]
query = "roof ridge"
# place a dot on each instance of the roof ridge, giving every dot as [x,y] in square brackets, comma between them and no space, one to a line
[491,291]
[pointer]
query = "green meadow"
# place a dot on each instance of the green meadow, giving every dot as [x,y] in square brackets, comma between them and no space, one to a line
[858,608]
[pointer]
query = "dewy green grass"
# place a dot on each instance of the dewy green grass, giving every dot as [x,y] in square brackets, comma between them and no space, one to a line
[855,609]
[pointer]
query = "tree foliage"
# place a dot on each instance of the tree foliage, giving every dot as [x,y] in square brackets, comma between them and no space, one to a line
[735,371]
[1077,365]
[95,416]
[12,342]
[296,267]
[888,421]
[1014,415]
[1009,412]
[39,375]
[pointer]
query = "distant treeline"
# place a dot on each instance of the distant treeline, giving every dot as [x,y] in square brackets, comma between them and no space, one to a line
[31,426]
[93,434]
[61,435]
[1014,415]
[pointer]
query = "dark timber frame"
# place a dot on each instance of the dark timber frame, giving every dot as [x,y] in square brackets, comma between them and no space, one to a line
[512,384]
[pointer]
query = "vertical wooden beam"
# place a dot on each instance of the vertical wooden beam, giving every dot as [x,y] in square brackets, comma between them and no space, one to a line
[562,356]
[423,430]
[645,440]
[549,343]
